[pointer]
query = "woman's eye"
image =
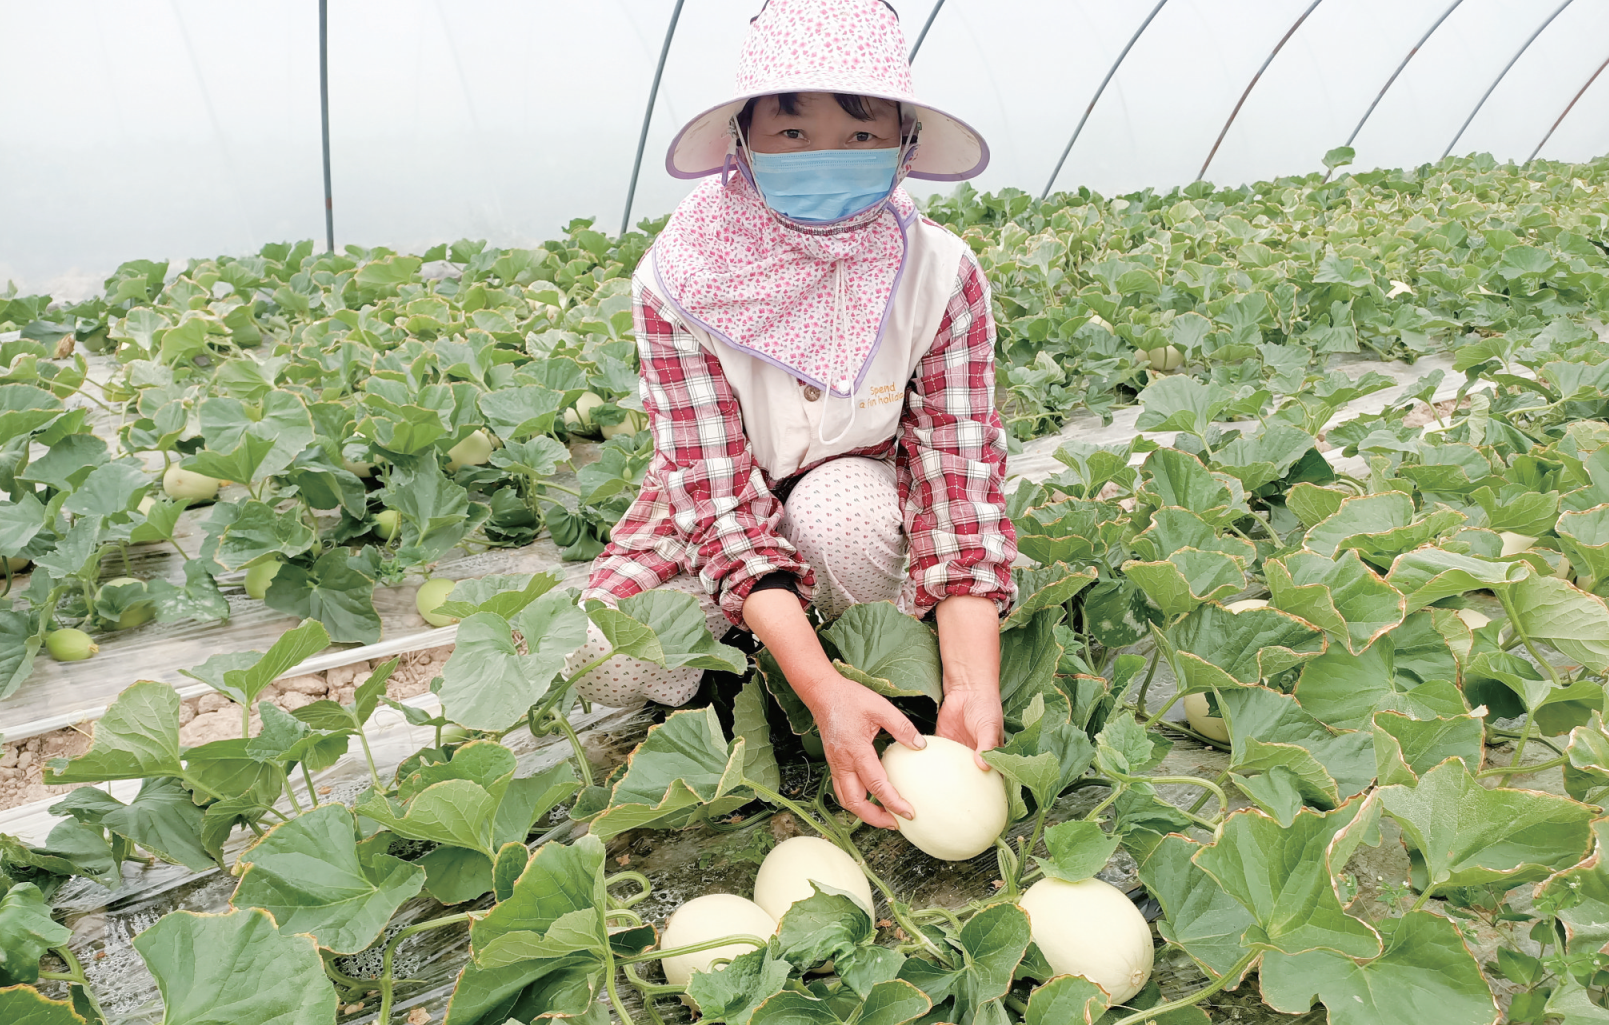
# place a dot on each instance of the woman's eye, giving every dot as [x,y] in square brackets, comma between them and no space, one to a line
[863,136]
[792,133]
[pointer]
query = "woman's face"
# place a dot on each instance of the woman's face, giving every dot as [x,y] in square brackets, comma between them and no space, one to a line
[818,122]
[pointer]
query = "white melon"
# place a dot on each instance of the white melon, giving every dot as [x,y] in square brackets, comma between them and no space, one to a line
[1090,928]
[1209,726]
[1247,603]
[1514,544]
[787,872]
[1472,619]
[706,918]
[960,809]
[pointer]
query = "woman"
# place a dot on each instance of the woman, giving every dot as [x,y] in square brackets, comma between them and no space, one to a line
[818,372]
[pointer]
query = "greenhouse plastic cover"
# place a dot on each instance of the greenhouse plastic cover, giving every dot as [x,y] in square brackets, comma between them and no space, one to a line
[190,128]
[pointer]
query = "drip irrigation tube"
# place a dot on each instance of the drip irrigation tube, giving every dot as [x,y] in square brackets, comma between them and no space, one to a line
[1097,97]
[1501,75]
[1252,85]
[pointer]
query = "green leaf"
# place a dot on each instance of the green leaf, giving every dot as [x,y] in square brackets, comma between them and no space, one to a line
[487,684]
[1219,648]
[455,812]
[240,463]
[1430,574]
[20,520]
[882,648]
[1344,690]
[335,591]
[163,819]
[19,643]
[1579,897]
[1259,718]
[749,722]
[1284,876]
[1078,850]
[435,511]
[258,532]
[1467,835]
[1187,579]
[1361,515]
[1181,403]
[26,932]
[517,413]
[995,940]
[1066,999]
[683,762]
[667,628]
[107,491]
[1198,915]
[307,874]
[1425,974]
[22,1005]
[285,421]
[1341,596]
[497,593]
[732,994]
[137,737]
[235,968]
[1340,156]
[1406,748]
[1552,611]
[561,887]
[827,924]
[242,677]
[1043,588]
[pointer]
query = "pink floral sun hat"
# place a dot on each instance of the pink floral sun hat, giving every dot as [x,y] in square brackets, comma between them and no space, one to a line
[834,46]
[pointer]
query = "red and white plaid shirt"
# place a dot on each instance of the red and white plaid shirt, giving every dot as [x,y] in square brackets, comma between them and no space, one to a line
[707,508]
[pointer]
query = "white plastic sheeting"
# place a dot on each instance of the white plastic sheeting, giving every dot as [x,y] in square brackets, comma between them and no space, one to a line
[182,128]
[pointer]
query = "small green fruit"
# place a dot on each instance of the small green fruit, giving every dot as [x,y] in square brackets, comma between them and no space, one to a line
[388,524]
[260,576]
[135,615]
[472,451]
[70,645]
[180,483]
[811,742]
[431,594]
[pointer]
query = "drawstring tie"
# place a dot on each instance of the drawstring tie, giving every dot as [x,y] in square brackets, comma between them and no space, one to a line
[844,382]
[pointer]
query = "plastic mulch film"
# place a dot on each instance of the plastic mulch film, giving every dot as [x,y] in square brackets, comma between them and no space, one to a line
[61,694]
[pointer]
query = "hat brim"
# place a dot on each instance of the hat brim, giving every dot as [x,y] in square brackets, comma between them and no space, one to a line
[950,150]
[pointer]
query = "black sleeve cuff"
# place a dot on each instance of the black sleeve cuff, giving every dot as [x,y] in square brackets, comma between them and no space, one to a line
[780,580]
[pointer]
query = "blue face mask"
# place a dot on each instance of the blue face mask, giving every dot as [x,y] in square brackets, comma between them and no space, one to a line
[825,184]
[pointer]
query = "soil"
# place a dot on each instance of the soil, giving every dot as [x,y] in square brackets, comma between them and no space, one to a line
[207,718]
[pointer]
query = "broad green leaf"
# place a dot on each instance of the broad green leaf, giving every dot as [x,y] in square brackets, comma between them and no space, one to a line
[1125,747]
[1179,479]
[1173,528]
[1270,718]
[1579,897]
[995,940]
[1042,588]
[1341,596]
[667,628]
[1187,579]
[26,932]
[1426,974]
[1219,648]
[1198,915]
[517,413]
[137,737]
[1431,574]
[258,532]
[1066,1000]
[1181,403]
[1588,751]
[1583,535]
[455,812]
[1284,876]
[164,820]
[241,462]
[496,593]
[20,520]
[1552,611]
[337,591]
[1078,850]
[284,420]
[732,994]
[235,968]
[487,684]
[1406,748]
[562,883]
[1364,514]
[1282,787]
[827,924]
[887,651]
[19,643]
[750,723]
[1343,690]
[23,1005]
[1311,779]
[242,677]
[435,511]
[307,874]
[107,491]
[683,762]
[1466,835]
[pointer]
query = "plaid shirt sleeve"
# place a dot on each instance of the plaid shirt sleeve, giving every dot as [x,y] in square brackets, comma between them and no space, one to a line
[704,506]
[951,459]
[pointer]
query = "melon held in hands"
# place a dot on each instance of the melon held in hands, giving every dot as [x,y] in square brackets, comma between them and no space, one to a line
[787,872]
[960,809]
[1090,928]
[706,918]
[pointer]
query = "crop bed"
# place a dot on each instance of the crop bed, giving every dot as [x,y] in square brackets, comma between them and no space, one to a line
[1323,465]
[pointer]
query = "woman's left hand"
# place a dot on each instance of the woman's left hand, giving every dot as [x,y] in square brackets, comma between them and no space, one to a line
[971,715]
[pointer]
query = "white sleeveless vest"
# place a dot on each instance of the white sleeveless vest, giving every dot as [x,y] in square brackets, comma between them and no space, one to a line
[782,415]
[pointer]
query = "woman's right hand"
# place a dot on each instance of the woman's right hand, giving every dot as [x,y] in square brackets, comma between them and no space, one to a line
[849,717]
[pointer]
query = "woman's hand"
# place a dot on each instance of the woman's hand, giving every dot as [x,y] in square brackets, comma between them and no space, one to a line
[850,717]
[971,715]
[969,647]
